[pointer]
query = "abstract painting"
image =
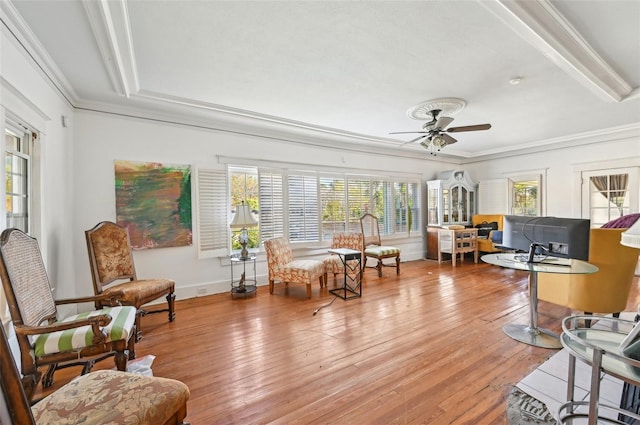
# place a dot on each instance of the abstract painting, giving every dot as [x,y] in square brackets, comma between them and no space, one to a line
[153,201]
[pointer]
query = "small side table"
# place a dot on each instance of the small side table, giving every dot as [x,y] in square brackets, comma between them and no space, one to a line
[352,262]
[245,284]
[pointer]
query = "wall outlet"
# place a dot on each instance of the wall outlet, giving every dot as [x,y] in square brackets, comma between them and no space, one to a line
[201,291]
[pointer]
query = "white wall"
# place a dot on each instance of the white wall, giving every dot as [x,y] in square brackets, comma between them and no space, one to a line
[26,95]
[102,138]
[561,168]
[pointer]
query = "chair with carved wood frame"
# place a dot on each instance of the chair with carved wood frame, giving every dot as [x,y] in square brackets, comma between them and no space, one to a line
[45,339]
[113,269]
[372,245]
[97,398]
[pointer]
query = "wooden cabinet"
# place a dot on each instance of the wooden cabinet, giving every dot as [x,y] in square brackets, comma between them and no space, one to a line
[451,199]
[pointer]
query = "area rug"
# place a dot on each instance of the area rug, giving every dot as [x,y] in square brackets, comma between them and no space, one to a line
[522,409]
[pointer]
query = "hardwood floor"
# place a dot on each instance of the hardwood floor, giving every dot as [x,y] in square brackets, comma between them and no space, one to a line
[425,347]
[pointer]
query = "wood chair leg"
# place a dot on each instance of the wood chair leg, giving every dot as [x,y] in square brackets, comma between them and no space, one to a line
[379,268]
[271,286]
[138,328]
[171,301]
[121,360]
[309,289]
[47,378]
[398,264]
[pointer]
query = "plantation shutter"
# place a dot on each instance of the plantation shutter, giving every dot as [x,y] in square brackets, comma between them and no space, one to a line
[271,194]
[303,208]
[214,233]
[413,213]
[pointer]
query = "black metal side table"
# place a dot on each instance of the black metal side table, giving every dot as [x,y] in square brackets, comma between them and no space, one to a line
[245,284]
[352,262]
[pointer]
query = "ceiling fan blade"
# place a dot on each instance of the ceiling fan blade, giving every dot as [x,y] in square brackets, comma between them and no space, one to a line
[450,140]
[469,128]
[443,122]
[409,132]
[413,140]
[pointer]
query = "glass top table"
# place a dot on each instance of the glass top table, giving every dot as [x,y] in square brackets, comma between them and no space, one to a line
[531,334]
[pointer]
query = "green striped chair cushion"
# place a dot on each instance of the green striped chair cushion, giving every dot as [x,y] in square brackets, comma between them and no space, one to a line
[122,320]
[381,250]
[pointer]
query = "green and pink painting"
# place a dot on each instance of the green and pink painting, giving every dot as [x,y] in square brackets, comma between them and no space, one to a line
[153,201]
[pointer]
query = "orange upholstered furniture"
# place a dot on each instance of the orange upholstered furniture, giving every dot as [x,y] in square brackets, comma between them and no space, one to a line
[605,291]
[485,244]
[284,268]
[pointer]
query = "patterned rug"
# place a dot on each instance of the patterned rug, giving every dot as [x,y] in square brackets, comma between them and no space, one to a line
[522,409]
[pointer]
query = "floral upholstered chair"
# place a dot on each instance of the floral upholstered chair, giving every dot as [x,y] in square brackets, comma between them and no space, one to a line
[283,267]
[351,240]
[98,398]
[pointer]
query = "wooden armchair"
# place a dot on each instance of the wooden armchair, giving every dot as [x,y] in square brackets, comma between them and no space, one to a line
[94,399]
[43,338]
[372,246]
[111,262]
[283,268]
[351,240]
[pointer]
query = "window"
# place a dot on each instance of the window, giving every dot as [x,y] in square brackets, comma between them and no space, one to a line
[244,189]
[524,197]
[213,214]
[610,194]
[309,205]
[17,177]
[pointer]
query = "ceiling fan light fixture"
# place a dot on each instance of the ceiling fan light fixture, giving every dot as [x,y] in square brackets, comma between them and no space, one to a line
[439,142]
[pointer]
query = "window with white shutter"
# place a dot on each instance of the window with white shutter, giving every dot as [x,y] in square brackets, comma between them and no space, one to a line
[303,206]
[271,192]
[213,227]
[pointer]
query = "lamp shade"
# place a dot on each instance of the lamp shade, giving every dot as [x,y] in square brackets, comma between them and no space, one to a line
[243,217]
[631,236]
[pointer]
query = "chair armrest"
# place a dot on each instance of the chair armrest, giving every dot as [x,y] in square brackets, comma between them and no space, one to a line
[114,298]
[96,322]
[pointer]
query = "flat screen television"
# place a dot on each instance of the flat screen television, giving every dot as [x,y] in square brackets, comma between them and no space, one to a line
[552,236]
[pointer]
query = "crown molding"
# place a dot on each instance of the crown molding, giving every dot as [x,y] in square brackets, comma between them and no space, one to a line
[544,27]
[580,139]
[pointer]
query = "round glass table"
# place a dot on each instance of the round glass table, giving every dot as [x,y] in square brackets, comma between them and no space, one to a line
[531,334]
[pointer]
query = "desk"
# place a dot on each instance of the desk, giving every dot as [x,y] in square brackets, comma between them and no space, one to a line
[352,284]
[531,334]
[457,241]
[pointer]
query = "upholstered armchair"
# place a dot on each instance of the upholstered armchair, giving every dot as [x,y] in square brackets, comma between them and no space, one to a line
[98,398]
[372,245]
[605,291]
[351,240]
[488,243]
[113,270]
[284,268]
[44,338]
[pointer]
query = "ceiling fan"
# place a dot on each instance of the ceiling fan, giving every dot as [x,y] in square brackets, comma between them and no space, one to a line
[434,136]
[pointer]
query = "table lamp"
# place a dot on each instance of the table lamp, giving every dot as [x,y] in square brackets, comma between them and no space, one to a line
[241,220]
